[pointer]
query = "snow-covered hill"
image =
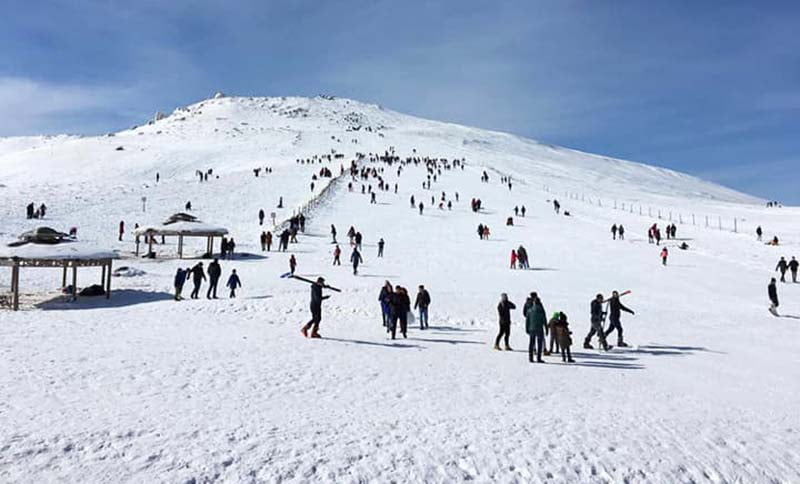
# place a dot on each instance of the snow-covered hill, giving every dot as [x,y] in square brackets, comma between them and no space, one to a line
[140,388]
[237,133]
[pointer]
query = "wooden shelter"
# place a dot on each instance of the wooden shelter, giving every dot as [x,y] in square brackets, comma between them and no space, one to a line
[180,225]
[61,253]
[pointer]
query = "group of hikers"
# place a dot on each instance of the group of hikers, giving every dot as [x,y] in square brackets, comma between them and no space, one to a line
[538,327]
[396,307]
[520,256]
[198,275]
[31,211]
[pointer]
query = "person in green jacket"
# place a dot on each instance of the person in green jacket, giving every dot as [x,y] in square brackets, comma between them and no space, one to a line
[536,327]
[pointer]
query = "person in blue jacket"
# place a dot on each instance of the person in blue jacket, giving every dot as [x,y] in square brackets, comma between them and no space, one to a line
[233,283]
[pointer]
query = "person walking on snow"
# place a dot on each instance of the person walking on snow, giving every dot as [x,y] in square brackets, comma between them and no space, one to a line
[401,305]
[261,217]
[422,302]
[782,266]
[597,316]
[536,327]
[504,313]
[316,309]
[563,338]
[621,232]
[615,307]
[233,283]
[664,255]
[385,299]
[772,292]
[759,233]
[337,252]
[263,240]
[614,232]
[198,276]
[333,233]
[356,259]
[292,264]
[381,243]
[121,229]
[513,259]
[214,273]
[180,280]
[793,265]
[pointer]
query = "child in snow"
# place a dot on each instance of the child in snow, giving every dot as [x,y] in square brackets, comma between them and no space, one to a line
[563,338]
[233,283]
[664,254]
[513,259]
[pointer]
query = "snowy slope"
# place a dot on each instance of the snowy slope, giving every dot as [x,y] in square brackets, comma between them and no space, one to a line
[140,388]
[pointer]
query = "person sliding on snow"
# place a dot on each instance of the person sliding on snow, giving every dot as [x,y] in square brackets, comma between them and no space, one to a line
[504,312]
[536,327]
[597,316]
[316,309]
[614,310]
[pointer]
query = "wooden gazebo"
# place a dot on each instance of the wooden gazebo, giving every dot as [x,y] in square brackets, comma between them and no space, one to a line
[65,254]
[180,225]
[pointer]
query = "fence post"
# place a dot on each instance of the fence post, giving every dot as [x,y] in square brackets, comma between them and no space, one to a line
[680,219]
[615,204]
[719,217]
[735,225]
[670,216]
[692,219]
[659,214]
[706,221]
[640,209]
[649,212]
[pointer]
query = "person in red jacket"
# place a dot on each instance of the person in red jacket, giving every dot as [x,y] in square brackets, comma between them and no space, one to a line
[664,254]
[513,259]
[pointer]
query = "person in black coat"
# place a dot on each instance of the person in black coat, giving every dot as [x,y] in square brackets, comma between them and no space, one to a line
[422,302]
[597,317]
[400,305]
[793,265]
[316,309]
[504,319]
[772,292]
[198,276]
[214,273]
[615,307]
[782,266]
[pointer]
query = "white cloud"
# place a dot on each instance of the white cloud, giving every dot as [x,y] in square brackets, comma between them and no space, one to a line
[32,106]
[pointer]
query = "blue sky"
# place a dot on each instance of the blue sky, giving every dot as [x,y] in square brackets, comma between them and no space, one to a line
[707,87]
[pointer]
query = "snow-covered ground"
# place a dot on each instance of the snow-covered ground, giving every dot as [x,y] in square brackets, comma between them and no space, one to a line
[140,388]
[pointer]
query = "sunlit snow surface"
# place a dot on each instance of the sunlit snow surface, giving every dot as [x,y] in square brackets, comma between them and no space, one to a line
[139,388]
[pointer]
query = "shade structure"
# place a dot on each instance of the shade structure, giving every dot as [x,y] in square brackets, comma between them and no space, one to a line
[180,226]
[65,254]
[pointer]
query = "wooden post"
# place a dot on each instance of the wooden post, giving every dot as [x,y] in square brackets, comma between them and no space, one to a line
[108,281]
[149,244]
[15,287]
[64,277]
[137,246]
[180,246]
[74,282]
[103,276]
